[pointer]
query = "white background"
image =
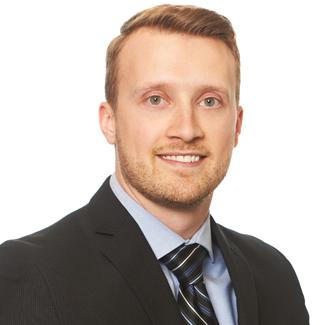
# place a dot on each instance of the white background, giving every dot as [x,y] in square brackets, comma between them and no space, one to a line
[54,157]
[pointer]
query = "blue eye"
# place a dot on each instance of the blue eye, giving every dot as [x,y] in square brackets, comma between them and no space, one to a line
[211,101]
[155,100]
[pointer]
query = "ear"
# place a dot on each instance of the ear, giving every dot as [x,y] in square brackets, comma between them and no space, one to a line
[107,122]
[238,124]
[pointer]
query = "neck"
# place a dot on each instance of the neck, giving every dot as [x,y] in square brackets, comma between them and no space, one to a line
[184,222]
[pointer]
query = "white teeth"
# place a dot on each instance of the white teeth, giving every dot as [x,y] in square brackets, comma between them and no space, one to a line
[186,158]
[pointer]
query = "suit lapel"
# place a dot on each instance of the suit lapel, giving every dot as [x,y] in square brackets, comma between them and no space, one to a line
[120,239]
[241,277]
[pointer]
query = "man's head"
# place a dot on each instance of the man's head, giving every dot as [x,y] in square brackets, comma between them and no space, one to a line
[188,20]
[172,103]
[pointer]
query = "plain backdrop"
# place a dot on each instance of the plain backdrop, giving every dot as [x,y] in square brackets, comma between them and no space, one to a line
[54,157]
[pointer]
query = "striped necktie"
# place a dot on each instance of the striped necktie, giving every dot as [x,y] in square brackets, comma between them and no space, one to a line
[186,263]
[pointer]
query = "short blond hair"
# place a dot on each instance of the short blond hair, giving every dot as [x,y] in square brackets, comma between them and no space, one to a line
[189,20]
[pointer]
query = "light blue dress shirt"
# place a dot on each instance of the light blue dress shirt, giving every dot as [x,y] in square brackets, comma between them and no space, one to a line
[163,240]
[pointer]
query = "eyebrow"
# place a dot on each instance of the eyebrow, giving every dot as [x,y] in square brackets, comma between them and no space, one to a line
[160,85]
[166,86]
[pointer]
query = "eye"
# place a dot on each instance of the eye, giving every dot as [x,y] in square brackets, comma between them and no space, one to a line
[155,100]
[210,102]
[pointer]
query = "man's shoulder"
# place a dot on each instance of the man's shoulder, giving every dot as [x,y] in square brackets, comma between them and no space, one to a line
[255,250]
[266,262]
[273,275]
[249,245]
[271,269]
[54,240]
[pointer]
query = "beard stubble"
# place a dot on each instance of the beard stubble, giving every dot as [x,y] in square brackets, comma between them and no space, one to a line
[171,188]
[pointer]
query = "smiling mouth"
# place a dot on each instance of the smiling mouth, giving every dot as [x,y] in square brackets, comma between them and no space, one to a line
[184,160]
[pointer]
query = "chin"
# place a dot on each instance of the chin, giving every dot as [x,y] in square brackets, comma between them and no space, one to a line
[175,197]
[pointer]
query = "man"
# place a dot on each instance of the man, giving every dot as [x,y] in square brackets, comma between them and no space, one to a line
[145,249]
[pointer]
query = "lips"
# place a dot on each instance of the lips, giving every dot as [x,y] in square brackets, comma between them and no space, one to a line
[182,158]
[187,160]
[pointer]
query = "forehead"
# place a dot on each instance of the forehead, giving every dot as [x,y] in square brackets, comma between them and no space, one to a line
[154,56]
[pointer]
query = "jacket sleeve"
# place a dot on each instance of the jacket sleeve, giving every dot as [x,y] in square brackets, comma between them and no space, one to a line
[25,298]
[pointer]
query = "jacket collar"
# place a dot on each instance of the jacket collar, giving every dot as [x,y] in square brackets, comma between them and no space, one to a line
[121,241]
[241,276]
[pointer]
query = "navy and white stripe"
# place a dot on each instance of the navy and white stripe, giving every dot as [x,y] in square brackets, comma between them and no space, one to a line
[186,263]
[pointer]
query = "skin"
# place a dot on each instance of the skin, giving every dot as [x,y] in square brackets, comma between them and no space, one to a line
[176,96]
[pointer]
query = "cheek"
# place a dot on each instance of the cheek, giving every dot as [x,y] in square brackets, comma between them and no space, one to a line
[224,142]
[137,137]
[222,134]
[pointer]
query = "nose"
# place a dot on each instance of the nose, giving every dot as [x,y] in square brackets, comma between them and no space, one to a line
[185,124]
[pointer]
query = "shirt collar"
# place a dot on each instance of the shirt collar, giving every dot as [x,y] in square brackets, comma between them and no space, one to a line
[161,238]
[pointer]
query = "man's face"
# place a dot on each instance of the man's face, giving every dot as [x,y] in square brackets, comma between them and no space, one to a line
[176,120]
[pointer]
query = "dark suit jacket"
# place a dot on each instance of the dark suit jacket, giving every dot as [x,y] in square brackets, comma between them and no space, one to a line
[95,267]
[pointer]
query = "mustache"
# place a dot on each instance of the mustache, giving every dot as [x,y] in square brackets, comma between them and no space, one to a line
[199,149]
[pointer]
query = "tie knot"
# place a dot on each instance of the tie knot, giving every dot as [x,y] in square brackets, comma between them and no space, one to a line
[186,263]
